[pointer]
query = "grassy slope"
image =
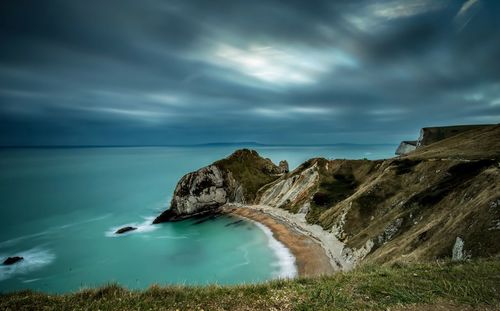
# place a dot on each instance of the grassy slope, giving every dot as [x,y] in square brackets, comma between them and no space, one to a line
[482,143]
[424,190]
[444,190]
[250,170]
[474,284]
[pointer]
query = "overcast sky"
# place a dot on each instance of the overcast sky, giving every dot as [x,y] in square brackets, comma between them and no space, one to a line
[288,72]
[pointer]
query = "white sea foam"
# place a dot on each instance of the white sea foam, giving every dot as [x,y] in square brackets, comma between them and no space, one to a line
[286,261]
[145,226]
[34,259]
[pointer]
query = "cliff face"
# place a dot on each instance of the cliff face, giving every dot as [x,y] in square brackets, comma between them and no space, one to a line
[406,147]
[231,180]
[431,135]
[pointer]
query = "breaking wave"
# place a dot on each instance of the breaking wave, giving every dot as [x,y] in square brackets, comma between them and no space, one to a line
[286,261]
[145,226]
[34,259]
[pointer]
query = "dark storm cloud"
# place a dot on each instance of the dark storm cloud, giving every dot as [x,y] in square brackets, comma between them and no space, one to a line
[170,72]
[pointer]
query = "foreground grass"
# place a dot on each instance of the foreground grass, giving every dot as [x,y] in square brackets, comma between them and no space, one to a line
[464,286]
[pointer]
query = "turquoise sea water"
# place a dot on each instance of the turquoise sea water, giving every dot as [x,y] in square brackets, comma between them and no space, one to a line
[60,207]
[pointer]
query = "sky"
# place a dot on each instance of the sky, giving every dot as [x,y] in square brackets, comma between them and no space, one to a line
[154,72]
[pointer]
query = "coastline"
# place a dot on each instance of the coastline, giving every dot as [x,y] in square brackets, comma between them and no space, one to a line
[310,257]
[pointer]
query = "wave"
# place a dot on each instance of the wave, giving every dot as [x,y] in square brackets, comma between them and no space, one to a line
[145,226]
[286,261]
[34,259]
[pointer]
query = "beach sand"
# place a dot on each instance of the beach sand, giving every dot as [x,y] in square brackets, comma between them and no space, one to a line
[310,256]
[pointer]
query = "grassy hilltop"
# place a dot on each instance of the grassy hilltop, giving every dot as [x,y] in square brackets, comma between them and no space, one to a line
[432,286]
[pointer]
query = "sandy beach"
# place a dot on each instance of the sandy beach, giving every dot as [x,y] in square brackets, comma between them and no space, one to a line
[310,256]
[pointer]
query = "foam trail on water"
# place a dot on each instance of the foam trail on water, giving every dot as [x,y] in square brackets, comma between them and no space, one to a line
[34,259]
[286,261]
[31,280]
[145,226]
[51,230]
[14,241]
[83,222]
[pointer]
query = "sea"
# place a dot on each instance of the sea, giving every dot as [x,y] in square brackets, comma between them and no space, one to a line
[60,207]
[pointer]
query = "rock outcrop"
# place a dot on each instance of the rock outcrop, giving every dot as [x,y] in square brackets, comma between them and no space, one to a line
[292,189]
[406,147]
[235,179]
[125,229]
[12,260]
[458,252]
[283,165]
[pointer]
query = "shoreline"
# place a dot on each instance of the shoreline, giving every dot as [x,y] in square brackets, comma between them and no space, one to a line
[311,258]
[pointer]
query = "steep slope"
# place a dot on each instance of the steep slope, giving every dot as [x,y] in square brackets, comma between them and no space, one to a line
[430,135]
[480,143]
[234,179]
[414,208]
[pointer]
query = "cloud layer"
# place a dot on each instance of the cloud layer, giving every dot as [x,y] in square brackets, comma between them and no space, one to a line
[293,72]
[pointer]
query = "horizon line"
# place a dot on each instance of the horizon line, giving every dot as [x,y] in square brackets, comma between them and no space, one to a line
[218,144]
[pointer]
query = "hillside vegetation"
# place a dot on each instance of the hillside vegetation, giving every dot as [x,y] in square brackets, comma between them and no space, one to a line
[249,170]
[411,208]
[436,286]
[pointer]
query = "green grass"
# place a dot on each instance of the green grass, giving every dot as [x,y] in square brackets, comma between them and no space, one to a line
[475,284]
[250,170]
[332,188]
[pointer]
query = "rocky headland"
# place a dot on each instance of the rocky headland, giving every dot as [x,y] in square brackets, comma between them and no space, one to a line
[440,200]
[235,179]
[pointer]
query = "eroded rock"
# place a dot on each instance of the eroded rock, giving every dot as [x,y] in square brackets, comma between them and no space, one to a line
[458,252]
[235,179]
[283,165]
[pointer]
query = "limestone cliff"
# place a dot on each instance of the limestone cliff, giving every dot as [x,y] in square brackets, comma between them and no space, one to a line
[235,179]
[431,135]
